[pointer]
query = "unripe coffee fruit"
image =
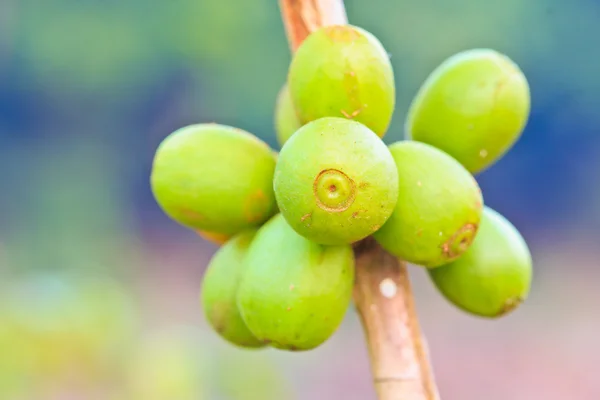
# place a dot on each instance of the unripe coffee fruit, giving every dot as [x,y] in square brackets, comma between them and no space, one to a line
[474,106]
[343,71]
[438,209]
[286,120]
[214,178]
[335,181]
[219,291]
[216,238]
[294,293]
[494,276]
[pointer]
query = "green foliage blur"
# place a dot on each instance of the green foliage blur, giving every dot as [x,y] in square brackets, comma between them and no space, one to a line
[64,335]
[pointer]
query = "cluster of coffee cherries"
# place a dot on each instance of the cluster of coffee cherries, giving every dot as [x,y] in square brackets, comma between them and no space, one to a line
[286,221]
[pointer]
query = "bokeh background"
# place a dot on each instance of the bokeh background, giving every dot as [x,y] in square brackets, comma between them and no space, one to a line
[99,290]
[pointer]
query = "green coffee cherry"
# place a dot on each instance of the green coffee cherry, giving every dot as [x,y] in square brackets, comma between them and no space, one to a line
[494,276]
[286,120]
[335,181]
[294,293]
[219,291]
[474,106]
[343,71]
[438,209]
[214,178]
[216,238]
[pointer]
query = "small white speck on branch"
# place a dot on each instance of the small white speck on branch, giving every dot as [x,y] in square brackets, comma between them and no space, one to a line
[388,288]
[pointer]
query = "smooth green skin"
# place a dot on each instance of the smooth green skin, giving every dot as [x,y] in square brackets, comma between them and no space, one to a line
[474,106]
[494,276]
[294,293]
[214,178]
[219,291]
[343,71]
[286,120]
[438,210]
[328,207]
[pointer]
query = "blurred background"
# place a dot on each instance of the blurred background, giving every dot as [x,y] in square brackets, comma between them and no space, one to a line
[99,290]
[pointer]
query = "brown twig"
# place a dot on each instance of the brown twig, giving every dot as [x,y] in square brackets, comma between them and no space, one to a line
[382,291]
[384,300]
[301,17]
